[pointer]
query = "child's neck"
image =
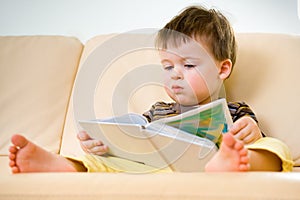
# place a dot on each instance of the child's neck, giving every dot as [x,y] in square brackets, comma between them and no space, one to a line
[183,108]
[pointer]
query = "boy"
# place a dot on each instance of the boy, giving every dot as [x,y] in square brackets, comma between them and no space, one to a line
[197,50]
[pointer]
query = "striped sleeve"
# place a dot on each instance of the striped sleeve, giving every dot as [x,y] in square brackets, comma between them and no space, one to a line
[161,110]
[240,109]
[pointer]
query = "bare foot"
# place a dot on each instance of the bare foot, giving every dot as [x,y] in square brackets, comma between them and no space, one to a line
[232,156]
[25,156]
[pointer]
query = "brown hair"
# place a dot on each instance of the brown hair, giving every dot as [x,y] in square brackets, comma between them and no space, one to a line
[210,26]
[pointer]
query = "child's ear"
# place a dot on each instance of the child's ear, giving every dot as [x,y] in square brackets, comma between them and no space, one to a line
[225,69]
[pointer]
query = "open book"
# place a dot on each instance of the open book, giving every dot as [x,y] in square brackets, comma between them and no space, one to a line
[184,142]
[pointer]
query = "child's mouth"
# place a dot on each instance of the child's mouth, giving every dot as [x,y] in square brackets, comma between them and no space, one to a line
[177,88]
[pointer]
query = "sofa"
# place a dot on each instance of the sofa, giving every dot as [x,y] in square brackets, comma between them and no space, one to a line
[44,87]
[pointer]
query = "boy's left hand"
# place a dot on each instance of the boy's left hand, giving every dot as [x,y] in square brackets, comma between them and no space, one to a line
[246,130]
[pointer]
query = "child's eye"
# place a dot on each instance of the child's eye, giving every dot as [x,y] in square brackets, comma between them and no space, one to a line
[168,67]
[189,66]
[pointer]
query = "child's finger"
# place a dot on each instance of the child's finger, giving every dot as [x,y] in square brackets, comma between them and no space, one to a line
[243,133]
[83,135]
[89,144]
[249,139]
[237,127]
[99,150]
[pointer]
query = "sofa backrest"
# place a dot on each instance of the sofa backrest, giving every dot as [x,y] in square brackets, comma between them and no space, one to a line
[119,87]
[36,79]
[265,77]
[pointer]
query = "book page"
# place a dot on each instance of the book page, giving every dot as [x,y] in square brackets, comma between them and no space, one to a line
[207,121]
[177,134]
[130,118]
[182,151]
[128,141]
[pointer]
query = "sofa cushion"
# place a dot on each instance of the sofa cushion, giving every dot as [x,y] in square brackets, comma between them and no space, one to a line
[36,78]
[266,77]
[116,90]
[167,186]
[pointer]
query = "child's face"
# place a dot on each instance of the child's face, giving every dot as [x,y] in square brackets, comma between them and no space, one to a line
[191,75]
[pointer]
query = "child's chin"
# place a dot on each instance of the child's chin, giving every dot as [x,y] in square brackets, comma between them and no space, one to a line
[186,102]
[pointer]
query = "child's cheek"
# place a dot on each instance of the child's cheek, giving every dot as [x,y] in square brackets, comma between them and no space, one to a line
[196,82]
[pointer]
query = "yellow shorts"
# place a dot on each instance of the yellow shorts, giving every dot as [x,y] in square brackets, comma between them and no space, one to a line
[278,148]
[95,163]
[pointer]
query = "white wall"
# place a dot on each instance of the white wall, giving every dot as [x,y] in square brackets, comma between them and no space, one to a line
[86,18]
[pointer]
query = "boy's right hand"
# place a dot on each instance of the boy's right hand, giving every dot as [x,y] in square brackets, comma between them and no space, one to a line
[90,145]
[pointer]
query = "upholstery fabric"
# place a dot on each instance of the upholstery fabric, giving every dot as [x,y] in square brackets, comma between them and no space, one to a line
[36,79]
[266,77]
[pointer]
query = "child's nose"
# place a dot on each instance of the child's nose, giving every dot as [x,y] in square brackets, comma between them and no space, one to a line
[177,73]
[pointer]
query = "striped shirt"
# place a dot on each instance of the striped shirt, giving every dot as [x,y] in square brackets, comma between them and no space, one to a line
[161,110]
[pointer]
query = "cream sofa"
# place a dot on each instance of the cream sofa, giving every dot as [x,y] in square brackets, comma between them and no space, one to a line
[40,77]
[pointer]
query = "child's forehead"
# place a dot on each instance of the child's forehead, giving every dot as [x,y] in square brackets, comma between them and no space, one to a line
[191,49]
